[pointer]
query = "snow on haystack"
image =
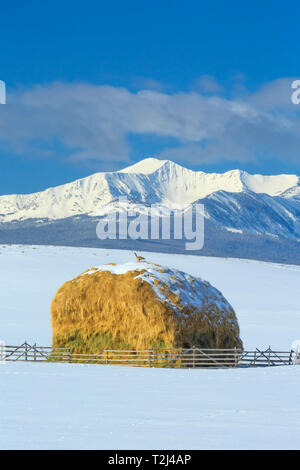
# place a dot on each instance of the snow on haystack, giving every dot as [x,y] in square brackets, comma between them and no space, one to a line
[140,306]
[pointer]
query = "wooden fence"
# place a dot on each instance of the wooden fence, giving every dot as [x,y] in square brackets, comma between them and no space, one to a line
[176,358]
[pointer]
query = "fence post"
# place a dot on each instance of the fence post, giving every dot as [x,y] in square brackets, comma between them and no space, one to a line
[269,355]
[70,355]
[64,354]
[34,352]
[26,357]
[150,357]
[194,357]
[107,358]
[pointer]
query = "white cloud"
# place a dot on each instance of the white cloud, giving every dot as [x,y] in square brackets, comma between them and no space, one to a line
[208,84]
[89,123]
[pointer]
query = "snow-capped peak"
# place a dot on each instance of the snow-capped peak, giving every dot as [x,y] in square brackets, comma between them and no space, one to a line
[145,167]
[272,185]
[231,181]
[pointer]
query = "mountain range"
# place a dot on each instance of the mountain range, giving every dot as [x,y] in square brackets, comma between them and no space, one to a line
[246,215]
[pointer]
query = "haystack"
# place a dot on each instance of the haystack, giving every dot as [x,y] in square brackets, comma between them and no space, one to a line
[138,306]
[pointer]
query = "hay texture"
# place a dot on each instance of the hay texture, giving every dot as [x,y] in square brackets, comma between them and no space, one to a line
[138,306]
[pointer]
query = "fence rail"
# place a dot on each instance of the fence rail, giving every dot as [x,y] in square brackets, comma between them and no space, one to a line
[176,358]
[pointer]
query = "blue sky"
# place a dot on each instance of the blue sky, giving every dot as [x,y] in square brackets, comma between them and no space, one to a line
[95,86]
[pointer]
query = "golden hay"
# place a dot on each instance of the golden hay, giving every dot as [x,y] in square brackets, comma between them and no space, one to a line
[103,310]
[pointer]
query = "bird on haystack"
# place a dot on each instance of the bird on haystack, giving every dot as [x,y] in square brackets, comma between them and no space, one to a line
[139,258]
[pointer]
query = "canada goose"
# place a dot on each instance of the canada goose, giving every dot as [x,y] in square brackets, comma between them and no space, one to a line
[139,258]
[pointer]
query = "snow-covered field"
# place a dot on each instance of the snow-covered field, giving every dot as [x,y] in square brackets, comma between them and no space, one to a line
[109,407]
[75,406]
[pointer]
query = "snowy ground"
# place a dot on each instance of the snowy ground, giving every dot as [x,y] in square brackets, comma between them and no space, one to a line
[62,406]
